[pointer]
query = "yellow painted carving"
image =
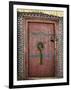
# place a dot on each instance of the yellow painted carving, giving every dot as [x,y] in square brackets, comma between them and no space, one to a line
[49,12]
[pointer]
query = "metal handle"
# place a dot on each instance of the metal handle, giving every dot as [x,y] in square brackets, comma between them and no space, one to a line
[40,47]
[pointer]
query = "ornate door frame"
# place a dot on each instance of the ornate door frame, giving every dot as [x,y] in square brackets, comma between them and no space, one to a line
[23,19]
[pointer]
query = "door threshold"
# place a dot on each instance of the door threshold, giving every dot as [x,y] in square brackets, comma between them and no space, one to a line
[34,78]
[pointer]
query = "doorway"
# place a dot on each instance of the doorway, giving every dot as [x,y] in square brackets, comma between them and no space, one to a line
[40,49]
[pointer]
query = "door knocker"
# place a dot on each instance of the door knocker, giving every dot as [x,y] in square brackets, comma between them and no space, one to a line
[40,47]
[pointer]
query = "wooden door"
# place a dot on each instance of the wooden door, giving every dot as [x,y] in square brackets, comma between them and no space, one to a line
[41,49]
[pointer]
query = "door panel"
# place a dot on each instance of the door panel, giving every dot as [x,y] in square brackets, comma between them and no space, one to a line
[41,63]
